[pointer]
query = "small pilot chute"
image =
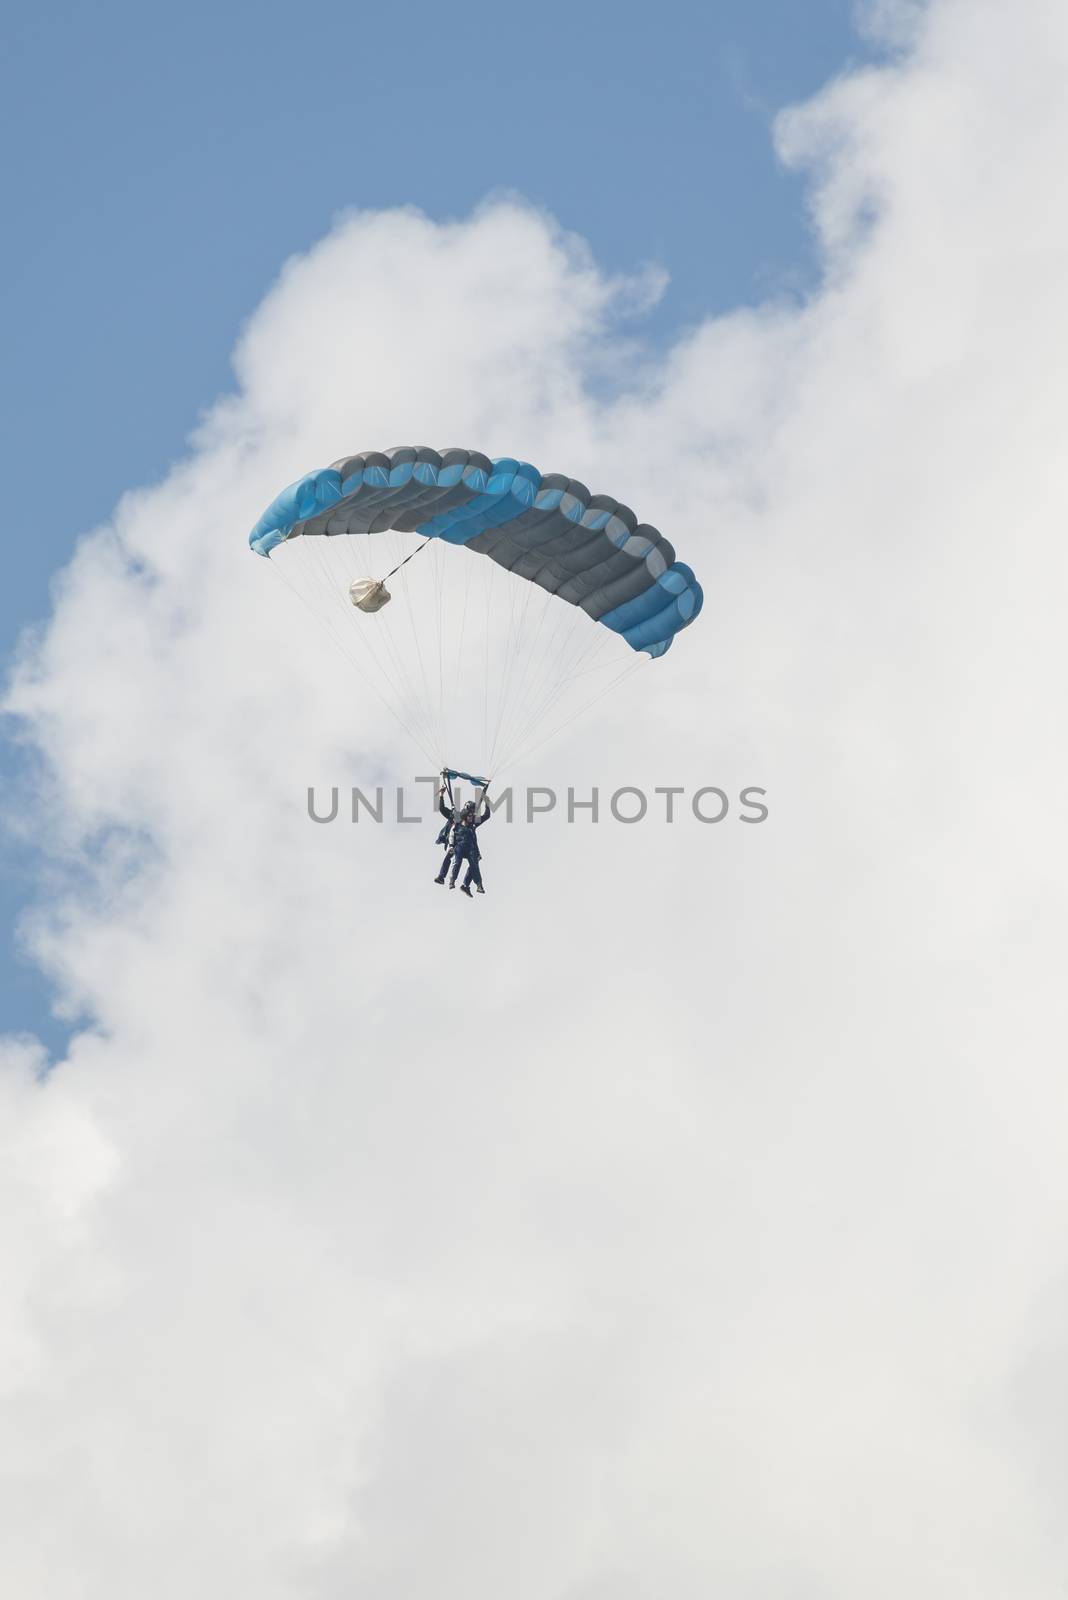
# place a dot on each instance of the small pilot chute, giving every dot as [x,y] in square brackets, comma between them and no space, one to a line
[369,594]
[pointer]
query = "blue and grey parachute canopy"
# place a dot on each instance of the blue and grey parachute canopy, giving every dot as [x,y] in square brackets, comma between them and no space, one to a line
[586,549]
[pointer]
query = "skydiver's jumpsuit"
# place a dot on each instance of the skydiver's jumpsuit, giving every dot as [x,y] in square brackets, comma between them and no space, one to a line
[443,837]
[465,848]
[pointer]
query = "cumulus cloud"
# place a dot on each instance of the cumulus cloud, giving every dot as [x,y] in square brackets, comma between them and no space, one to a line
[687,1216]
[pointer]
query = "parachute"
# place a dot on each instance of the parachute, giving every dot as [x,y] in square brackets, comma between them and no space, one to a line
[568,578]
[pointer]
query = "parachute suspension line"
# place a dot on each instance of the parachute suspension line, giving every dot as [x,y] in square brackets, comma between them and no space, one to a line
[334,568]
[539,666]
[459,676]
[508,711]
[556,668]
[463,619]
[400,656]
[537,715]
[393,668]
[336,637]
[520,663]
[531,749]
[407,558]
[322,565]
[552,674]
[415,602]
[536,651]
[591,640]
[495,694]
[329,563]
[531,656]
[392,644]
[515,630]
[409,606]
[487,580]
[441,658]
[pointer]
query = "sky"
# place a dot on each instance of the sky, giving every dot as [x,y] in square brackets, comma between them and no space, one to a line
[178,159]
[689,1218]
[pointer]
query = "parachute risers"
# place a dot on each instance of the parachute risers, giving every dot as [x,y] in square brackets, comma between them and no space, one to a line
[451,772]
[481,784]
[369,594]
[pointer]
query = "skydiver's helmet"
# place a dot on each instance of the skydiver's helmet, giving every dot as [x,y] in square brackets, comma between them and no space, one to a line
[468,812]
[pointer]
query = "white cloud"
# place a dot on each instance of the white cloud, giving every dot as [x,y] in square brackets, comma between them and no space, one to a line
[687,1216]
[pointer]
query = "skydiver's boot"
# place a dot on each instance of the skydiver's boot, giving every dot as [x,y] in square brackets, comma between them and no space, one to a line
[465,888]
[480,889]
[439,880]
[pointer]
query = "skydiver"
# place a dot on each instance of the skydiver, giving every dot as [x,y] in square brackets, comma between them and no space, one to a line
[465,847]
[447,835]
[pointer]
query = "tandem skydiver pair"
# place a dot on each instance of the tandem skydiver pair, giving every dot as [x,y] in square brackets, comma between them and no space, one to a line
[459,836]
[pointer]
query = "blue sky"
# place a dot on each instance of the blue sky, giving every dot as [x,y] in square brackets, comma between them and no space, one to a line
[168,161]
